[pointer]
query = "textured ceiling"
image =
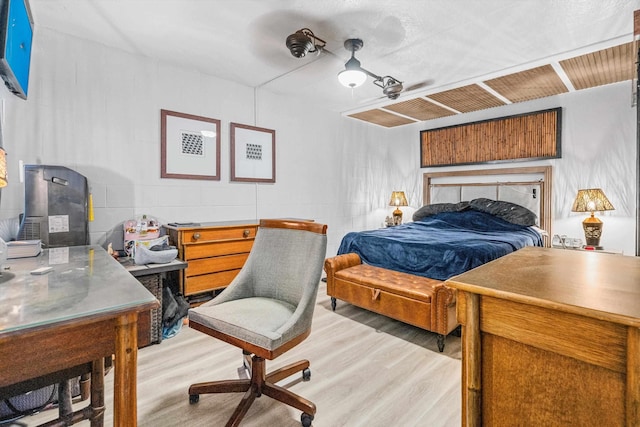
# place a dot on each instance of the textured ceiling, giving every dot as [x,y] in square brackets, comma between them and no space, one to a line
[452,56]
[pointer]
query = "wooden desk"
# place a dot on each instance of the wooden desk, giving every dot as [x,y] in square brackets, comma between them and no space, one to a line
[82,311]
[551,338]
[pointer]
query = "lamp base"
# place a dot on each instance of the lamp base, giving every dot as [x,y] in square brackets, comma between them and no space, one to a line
[592,227]
[397,217]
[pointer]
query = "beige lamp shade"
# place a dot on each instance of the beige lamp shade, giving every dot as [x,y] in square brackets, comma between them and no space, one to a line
[591,200]
[398,199]
[3,168]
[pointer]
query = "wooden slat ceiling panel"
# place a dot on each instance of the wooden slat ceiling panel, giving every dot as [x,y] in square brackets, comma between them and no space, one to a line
[529,84]
[467,98]
[382,118]
[606,66]
[420,109]
[612,65]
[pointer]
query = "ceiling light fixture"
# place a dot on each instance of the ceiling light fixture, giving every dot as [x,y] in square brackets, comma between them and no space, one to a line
[353,75]
[304,41]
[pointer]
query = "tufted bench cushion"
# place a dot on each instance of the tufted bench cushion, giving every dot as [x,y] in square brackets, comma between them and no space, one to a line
[419,301]
[407,285]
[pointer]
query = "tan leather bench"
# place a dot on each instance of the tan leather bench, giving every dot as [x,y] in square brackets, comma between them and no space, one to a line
[419,301]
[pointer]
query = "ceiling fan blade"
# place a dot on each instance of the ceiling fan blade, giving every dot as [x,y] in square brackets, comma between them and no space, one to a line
[419,85]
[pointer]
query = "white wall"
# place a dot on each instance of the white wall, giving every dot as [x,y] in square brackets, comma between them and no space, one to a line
[97,110]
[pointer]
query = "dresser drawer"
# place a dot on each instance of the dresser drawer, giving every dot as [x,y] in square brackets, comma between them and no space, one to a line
[215,253]
[208,282]
[214,265]
[194,251]
[204,235]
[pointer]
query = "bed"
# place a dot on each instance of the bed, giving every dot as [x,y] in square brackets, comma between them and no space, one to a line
[470,218]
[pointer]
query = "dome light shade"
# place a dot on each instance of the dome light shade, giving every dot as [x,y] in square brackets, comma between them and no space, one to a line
[352,78]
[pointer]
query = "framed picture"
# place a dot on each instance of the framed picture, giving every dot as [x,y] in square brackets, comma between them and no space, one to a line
[253,154]
[190,146]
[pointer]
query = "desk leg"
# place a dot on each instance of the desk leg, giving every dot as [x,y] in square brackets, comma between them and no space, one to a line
[471,357]
[633,376]
[125,382]
[97,393]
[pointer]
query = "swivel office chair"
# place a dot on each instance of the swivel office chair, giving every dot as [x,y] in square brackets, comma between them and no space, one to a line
[267,310]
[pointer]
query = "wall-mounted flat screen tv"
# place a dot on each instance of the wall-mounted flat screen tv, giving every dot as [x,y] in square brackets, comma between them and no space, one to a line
[16,34]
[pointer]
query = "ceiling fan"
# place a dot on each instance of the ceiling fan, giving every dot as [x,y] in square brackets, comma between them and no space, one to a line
[304,41]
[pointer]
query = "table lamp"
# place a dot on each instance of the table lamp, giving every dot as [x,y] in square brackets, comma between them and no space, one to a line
[591,200]
[398,199]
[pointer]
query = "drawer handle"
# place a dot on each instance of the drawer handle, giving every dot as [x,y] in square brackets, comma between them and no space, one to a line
[246,233]
[196,236]
[375,293]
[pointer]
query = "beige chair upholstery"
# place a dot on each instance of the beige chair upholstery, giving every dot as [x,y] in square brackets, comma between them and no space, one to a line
[267,310]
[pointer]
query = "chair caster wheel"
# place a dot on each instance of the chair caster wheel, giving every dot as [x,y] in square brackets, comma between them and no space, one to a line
[306,419]
[194,398]
[306,374]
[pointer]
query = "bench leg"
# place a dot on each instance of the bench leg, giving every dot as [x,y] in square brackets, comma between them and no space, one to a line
[333,303]
[441,342]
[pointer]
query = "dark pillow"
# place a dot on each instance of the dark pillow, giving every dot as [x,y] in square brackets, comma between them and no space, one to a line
[511,212]
[436,208]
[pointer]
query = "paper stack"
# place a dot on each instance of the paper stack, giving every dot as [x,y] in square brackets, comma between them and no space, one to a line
[23,248]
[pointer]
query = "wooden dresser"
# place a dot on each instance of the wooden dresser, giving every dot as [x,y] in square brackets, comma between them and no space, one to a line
[551,337]
[215,253]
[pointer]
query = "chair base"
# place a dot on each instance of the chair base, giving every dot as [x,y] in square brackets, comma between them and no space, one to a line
[260,383]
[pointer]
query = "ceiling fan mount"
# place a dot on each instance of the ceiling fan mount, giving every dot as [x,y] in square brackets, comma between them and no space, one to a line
[304,41]
[390,86]
[353,45]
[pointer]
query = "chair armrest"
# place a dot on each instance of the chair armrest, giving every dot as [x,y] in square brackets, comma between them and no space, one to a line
[443,318]
[337,263]
[341,262]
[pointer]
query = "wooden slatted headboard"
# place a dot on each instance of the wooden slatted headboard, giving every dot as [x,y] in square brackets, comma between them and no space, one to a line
[527,186]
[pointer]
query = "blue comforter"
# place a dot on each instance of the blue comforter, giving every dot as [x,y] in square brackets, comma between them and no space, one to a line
[442,245]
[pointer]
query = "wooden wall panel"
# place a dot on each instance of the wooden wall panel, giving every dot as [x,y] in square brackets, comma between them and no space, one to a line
[527,136]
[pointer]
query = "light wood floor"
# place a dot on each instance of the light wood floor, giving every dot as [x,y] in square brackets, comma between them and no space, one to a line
[367,370]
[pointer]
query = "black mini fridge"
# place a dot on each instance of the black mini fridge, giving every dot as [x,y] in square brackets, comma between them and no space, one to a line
[56,208]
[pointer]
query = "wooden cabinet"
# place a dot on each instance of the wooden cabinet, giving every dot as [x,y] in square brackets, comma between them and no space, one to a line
[215,253]
[551,338]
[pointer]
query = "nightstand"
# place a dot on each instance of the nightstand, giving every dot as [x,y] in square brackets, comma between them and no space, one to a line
[592,249]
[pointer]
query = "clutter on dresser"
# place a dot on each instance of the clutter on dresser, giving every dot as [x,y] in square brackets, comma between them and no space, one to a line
[390,221]
[144,244]
[142,228]
[157,251]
